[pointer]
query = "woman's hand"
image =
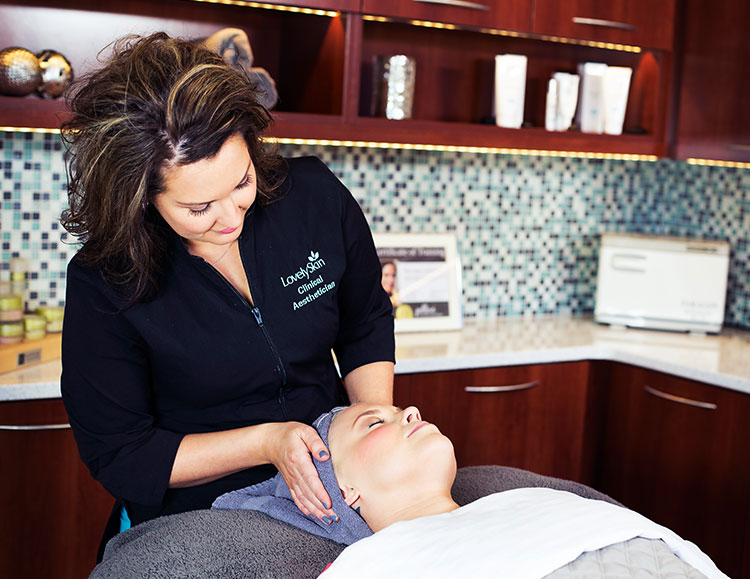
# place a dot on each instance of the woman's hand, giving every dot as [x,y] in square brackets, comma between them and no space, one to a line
[289,447]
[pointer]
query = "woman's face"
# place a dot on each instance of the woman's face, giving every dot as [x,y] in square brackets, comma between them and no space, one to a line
[378,448]
[205,202]
[389,277]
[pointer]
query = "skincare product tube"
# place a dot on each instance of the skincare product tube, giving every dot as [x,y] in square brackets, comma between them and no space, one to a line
[591,101]
[616,87]
[567,99]
[510,89]
[550,112]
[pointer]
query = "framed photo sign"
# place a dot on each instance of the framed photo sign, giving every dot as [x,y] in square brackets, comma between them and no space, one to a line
[422,275]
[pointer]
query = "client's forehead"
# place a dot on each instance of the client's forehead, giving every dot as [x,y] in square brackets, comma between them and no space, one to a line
[348,418]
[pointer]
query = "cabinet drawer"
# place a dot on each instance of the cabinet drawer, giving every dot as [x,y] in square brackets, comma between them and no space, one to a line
[506,14]
[638,22]
[529,417]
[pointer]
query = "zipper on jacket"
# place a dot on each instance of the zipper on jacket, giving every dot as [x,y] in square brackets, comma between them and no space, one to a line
[277,358]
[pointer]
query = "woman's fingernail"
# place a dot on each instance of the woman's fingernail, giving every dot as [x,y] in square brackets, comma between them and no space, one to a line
[322,454]
[326,520]
[336,518]
[325,505]
[311,516]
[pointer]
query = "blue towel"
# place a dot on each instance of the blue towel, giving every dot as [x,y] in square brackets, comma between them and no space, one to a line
[273,498]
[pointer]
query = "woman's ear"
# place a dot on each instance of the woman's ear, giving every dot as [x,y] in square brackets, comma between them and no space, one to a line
[350,494]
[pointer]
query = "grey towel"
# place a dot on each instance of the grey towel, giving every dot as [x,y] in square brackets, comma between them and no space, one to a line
[273,498]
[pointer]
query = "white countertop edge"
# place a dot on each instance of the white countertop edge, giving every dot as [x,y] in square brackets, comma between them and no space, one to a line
[33,391]
[51,389]
[417,365]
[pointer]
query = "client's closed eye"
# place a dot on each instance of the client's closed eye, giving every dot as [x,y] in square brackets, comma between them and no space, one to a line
[375,422]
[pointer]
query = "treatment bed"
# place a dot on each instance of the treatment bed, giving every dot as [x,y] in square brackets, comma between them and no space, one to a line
[246,544]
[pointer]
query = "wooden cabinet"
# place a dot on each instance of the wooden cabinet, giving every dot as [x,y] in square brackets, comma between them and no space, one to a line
[642,23]
[506,14]
[322,63]
[530,417]
[714,117]
[304,53]
[677,451]
[54,513]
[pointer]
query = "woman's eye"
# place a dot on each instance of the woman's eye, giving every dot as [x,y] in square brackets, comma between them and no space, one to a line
[245,182]
[375,423]
[200,211]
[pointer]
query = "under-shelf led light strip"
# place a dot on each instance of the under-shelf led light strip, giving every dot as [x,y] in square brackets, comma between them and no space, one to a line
[716,163]
[465,149]
[454,148]
[28,130]
[279,7]
[514,34]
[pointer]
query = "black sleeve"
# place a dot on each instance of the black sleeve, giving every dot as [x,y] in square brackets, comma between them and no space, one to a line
[106,391]
[366,316]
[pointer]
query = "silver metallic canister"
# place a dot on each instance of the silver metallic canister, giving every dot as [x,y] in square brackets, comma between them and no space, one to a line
[393,86]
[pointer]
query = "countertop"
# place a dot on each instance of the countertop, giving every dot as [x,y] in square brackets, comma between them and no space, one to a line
[721,360]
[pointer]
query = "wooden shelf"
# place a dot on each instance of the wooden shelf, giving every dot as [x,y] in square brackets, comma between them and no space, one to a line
[465,135]
[32,112]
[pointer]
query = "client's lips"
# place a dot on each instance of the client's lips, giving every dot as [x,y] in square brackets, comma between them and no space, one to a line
[419,425]
[228,230]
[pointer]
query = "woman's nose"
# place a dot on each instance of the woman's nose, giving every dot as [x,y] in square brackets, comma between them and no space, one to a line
[410,414]
[231,213]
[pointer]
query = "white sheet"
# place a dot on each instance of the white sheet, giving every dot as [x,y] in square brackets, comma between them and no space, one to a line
[521,533]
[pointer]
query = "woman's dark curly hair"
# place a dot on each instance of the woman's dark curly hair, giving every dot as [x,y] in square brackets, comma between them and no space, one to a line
[157,102]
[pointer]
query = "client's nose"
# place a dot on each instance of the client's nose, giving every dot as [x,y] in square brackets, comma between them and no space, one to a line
[410,414]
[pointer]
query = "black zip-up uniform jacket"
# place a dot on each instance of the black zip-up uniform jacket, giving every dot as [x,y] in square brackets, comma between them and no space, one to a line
[200,358]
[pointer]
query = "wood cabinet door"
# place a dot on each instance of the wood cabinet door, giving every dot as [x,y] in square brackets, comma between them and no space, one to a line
[637,22]
[714,118]
[507,14]
[678,452]
[54,513]
[529,417]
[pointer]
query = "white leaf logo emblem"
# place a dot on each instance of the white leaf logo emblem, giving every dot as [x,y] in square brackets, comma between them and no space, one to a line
[314,255]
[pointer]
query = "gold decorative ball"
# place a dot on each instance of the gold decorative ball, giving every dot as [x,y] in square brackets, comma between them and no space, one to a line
[56,73]
[19,71]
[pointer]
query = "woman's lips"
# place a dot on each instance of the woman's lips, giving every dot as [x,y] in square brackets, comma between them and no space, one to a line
[417,427]
[228,230]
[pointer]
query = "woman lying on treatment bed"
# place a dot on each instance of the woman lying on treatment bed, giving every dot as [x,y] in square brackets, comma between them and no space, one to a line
[396,470]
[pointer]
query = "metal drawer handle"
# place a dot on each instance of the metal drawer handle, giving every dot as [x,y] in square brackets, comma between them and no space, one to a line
[491,389]
[738,147]
[34,427]
[603,23]
[680,399]
[457,3]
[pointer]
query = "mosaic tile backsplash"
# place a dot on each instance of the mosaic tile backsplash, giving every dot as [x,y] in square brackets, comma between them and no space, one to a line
[527,227]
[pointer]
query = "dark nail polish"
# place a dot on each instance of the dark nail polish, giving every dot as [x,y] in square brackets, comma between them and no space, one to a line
[326,520]
[325,505]
[311,516]
[322,454]
[336,518]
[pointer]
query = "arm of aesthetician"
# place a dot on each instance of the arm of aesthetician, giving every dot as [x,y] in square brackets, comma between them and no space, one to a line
[205,457]
[371,383]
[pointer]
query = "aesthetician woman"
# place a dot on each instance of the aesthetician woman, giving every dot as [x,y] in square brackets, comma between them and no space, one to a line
[213,282]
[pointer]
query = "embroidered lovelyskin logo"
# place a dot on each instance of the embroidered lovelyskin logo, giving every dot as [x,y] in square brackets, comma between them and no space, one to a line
[314,263]
[313,288]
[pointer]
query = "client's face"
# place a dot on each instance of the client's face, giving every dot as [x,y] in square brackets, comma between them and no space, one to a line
[376,449]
